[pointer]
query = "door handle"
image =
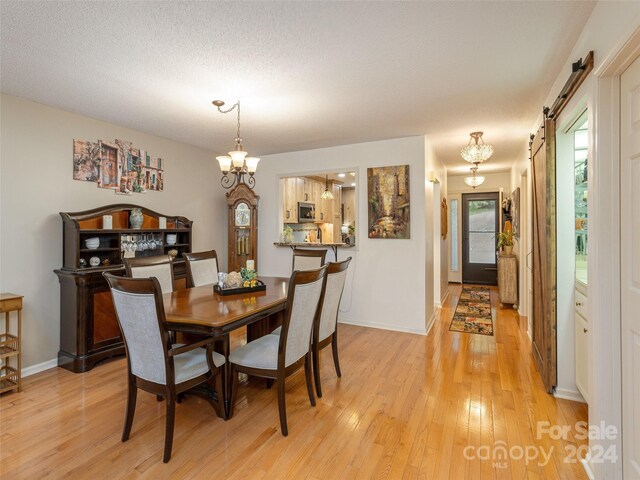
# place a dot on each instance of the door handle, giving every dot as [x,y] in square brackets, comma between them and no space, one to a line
[527,262]
[585,330]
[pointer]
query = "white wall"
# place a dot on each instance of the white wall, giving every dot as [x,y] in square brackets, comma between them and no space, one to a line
[387,278]
[36,183]
[436,247]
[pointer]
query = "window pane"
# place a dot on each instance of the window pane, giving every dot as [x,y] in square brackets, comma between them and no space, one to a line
[454,235]
[482,231]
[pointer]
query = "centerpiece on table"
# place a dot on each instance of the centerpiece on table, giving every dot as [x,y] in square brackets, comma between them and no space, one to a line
[245,281]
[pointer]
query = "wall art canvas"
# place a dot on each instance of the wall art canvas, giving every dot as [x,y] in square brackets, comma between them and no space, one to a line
[86,161]
[117,165]
[515,212]
[388,202]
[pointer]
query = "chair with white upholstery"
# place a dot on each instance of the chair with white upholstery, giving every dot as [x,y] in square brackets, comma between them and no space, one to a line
[278,356]
[308,259]
[159,266]
[153,364]
[325,328]
[202,268]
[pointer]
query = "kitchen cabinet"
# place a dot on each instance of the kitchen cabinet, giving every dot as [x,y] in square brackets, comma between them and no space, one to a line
[292,190]
[309,190]
[336,213]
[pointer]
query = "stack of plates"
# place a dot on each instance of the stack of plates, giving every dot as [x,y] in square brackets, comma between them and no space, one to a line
[92,243]
[171,238]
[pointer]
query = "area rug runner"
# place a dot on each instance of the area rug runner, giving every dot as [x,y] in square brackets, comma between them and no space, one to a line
[473,312]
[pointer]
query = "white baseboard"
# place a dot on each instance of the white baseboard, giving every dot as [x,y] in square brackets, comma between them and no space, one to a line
[430,323]
[445,296]
[39,367]
[382,326]
[567,394]
[587,468]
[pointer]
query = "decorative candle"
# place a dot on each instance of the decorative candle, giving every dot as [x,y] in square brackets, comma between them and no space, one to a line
[107,222]
[250,265]
[163,222]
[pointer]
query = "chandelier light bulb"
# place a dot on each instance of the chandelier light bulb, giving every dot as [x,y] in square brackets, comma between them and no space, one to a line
[225,163]
[252,164]
[476,151]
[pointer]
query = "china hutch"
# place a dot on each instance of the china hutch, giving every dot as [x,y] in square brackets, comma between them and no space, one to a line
[89,330]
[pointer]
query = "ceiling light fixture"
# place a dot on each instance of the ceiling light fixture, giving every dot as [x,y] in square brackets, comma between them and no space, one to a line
[341,175]
[326,195]
[237,161]
[478,151]
[474,181]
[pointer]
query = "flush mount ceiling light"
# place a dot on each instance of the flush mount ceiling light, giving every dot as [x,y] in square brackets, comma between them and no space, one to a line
[237,161]
[476,151]
[326,195]
[473,180]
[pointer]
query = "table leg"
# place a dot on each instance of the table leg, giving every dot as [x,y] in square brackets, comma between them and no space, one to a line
[226,381]
[19,349]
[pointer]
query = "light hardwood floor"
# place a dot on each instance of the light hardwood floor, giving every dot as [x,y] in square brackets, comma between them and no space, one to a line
[407,406]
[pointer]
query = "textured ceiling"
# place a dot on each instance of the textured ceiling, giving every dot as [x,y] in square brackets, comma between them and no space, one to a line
[308,74]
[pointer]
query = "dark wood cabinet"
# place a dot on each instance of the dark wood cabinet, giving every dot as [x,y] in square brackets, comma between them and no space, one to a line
[89,330]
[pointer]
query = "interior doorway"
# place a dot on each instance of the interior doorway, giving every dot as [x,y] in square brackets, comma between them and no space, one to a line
[480,224]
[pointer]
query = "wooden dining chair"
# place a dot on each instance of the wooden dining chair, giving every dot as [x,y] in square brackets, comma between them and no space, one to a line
[276,357]
[202,268]
[159,266]
[153,364]
[325,327]
[308,259]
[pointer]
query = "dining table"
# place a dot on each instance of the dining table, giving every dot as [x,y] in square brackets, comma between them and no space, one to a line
[201,310]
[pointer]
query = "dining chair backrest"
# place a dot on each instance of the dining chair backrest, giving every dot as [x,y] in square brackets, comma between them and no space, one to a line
[159,266]
[308,259]
[140,314]
[202,268]
[303,298]
[330,301]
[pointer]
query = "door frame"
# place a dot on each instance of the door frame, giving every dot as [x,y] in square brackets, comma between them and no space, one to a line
[455,276]
[464,235]
[604,248]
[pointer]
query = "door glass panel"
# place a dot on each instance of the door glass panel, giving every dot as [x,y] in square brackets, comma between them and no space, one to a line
[482,231]
[454,235]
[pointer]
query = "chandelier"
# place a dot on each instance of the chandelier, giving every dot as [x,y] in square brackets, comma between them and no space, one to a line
[478,151]
[326,195]
[473,180]
[237,162]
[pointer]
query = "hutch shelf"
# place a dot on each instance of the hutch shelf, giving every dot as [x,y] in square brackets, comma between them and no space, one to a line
[89,330]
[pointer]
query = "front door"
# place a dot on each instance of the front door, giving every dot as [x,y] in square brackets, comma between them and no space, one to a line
[480,223]
[630,266]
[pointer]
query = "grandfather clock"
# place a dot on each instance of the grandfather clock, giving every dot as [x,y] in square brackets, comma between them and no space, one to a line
[243,227]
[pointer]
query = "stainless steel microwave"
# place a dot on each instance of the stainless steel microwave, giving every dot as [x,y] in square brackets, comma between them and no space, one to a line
[306,212]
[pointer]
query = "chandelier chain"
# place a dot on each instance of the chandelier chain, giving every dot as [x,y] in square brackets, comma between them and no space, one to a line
[237,104]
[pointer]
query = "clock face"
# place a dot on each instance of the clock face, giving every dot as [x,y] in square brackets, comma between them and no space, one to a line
[243,215]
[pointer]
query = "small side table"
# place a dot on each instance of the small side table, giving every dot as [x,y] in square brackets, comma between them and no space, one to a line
[508,279]
[10,377]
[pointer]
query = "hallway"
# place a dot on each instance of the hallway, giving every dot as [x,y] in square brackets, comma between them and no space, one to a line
[407,406]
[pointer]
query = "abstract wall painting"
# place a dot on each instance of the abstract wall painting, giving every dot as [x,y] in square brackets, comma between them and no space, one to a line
[388,202]
[118,166]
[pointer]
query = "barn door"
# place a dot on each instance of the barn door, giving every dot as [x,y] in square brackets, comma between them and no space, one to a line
[543,157]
